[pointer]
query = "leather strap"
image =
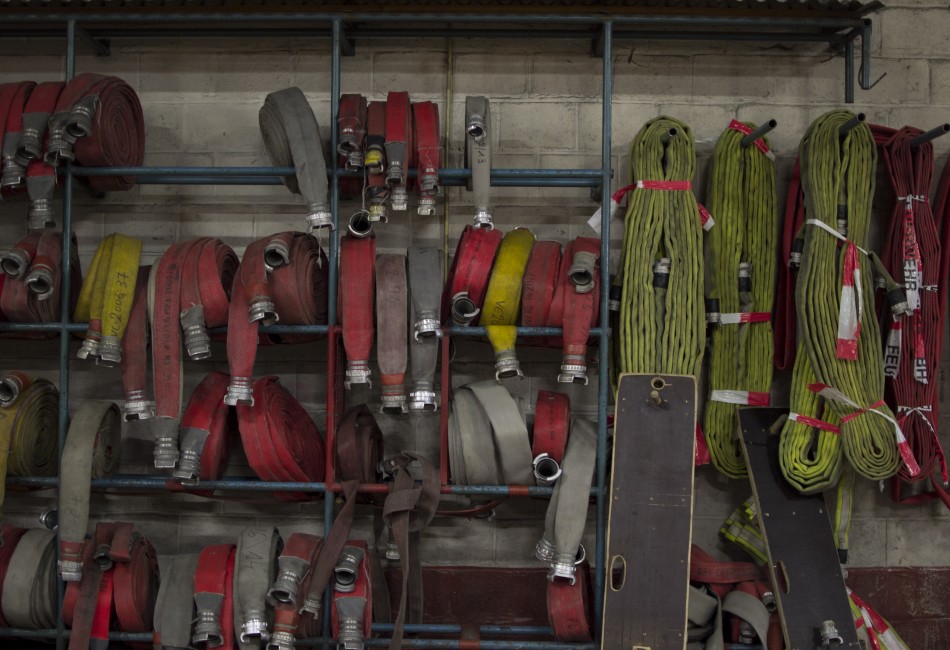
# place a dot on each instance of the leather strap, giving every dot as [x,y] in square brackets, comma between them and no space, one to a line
[208,428]
[357,271]
[399,151]
[503,300]
[213,596]
[40,176]
[91,451]
[478,156]
[254,565]
[174,607]
[428,147]
[351,610]
[552,422]
[786,317]
[508,431]
[289,590]
[14,172]
[468,277]
[425,283]
[569,607]
[392,318]
[377,191]
[134,363]
[105,300]
[29,587]
[539,283]
[9,538]
[280,439]
[28,430]
[292,138]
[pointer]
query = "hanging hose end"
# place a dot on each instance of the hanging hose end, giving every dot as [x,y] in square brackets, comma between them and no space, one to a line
[262,309]
[423,400]
[392,551]
[507,366]
[137,407]
[360,224]
[70,570]
[281,640]
[89,348]
[544,550]
[313,605]
[195,335]
[357,372]
[288,581]
[351,634]
[165,453]
[10,388]
[15,263]
[240,391]
[207,626]
[14,174]
[573,371]
[483,219]
[254,628]
[426,206]
[319,219]
[546,470]
[393,400]
[399,199]
[564,566]
[377,213]
[110,351]
[464,309]
[427,328]
[191,447]
[41,214]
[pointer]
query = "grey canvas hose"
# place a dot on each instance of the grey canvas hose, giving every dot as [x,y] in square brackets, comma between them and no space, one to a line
[478,156]
[425,287]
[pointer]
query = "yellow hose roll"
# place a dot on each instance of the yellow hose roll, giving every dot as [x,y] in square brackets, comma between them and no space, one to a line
[503,299]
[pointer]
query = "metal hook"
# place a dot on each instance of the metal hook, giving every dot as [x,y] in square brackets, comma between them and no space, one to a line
[763,129]
[932,134]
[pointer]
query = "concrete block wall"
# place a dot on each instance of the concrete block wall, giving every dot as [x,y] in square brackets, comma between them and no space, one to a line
[201,99]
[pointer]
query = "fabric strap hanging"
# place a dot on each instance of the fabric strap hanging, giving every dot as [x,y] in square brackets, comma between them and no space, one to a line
[214,597]
[428,154]
[392,322]
[468,277]
[399,153]
[478,135]
[503,300]
[292,139]
[425,289]
[254,566]
[357,268]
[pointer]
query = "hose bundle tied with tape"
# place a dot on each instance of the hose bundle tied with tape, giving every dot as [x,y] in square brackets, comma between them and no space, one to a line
[31,289]
[739,302]
[91,451]
[29,413]
[351,610]
[13,99]
[292,139]
[392,293]
[213,595]
[478,135]
[471,268]
[254,567]
[488,437]
[120,577]
[503,300]
[40,176]
[400,154]
[425,290]
[428,146]
[28,596]
[661,268]
[842,346]
[134,363]
[105,300]
[289,590]
[189,292]
[913,251]
[208,428]
[174,604]
[357,289]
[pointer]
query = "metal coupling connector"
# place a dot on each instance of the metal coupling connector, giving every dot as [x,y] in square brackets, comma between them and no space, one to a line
[240,391]
[544,550]
[81,115]
[102,556]
[281,640]
[399,199]
[31,145]
[318,216]
[582,271]
[423,400]
[195,335]
[476,128]
[426,206]
[89,348]
[360,224]
[768,599]
[746,633]
[287,582]
[563,568]
[357,372]
[41,214]
[70,570]
[354,160]
[507,366]
[377,212]
[573,370]
[745,277]
[426,328]
[10,387]
[616,295]
[546,470]
[464,309]
[795,256]
[483,219]
[375,159]
[392,551]
[428,181]
[262,309]
[347,569]
[351,634]
[40,281]
[14,174]
[15,262]
[110,351]
[276,254]
[661,273]
[393,403]
[254,627]
[50,519]
[188,471]
[829,635]
[207,630]
[312,605]
[165,453]
[137,407]
[394,174]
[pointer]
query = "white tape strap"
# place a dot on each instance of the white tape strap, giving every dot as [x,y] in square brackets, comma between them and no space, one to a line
[741,397]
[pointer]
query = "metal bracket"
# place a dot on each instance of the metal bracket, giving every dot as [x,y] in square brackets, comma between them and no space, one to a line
[101,46]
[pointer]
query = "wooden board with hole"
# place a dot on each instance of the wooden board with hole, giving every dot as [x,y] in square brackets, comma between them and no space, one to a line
[651,509]
[799,541]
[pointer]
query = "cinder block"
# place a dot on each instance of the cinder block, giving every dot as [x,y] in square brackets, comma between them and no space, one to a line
[782,80]
[867,543]
[907,81]
[907,542]
[574,74]
[258,72]
[627,120]
[164,127]
[181,76]
[34,68]
[413,72]
[492,75]
[904,33]
[640,77]
[224,126]
[537,127]
[705,121]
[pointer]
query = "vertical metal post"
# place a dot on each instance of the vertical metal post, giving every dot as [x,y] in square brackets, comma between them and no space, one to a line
[849,71]
[865,79]
[603,382]
[64,316]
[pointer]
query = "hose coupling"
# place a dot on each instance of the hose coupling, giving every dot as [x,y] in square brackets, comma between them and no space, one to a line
[81,115]
[746,633]
[254,627]
[476,128]
[288,579]
[70,570]
[165,453]
[423,400]
[616,295]
[374,159]
[544,550]
[394,400]
[276,254]
[712,311]
[377,212]
[110,351]
[392,551]
[193,441]
[768,599]
[197,341]
[281,640]
[351,634]
[506,365]
[464,309]
[312,605]
[395,174]
[319,218]
[546,470]
[207,627]
[90,346]
[399,198]
[40,280]
[483,219]
[49,518]
[661,273]
[745,277]
[31,142]
[563,568]
[357,372]
[10,388]
[137,406]
[829,635]
[13,173]
[795,256]
[347,569]
[898,302]
[573,370]
[240,391]
[427,328]
[360,224]
[41,214]
[262,309]
[426,206]
[582,271]
[15,262]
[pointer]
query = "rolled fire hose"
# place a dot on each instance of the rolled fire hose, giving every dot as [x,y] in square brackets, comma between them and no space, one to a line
[254,567]
[399,152]
[661,313]
[471,268]
[478,135]
[59,146]
[9,538]
[428,154]
[31,292]
[29,587]
[208,429]
[576,306]
[351,612]
[569,607]
[739,303]
[425,290]
[503,300]
[214,597]
[374,160]
[91,451]
[134,363]
[552,423]
[14,172]
[357,259]
[292,139]
[842,346]
[392,320]
[174,604]
[40,177]
[289,590]
[29,413]
[105,300]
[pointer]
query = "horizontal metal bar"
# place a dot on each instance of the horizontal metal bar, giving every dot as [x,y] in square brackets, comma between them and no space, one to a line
[42,327]
[444,173]
[264,180]
[522,331]
[772,37]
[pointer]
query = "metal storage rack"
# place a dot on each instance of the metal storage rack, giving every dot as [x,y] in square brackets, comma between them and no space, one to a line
[344,31]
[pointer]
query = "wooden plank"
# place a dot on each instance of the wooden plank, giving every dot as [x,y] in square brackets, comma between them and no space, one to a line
[651,507]
[803,558]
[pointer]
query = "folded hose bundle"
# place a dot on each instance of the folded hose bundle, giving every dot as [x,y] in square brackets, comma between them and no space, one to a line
[575,306]
[134,363]
[174,608]
[839,336]
[40,176]
[425,292]
[392,344]
[428,148]
[503,300]
[400,154]
[31,290]
[356,296]
[739,302]
[255,563]
[13,99]
[661,266]
[208,429]
[351,610]
[213,596]
[465,288]
[28,592]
